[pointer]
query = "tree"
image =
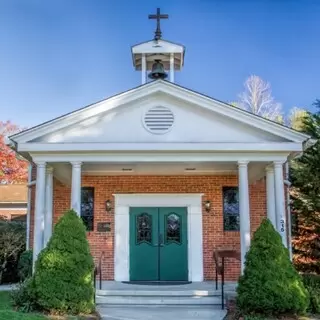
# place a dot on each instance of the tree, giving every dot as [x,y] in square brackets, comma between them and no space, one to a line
[270,284]
[296,118]
[305,199]
[12,168]
[63,276]
[257,98]
[12,243]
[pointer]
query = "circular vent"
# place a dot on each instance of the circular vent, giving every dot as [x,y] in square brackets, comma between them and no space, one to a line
[158,120]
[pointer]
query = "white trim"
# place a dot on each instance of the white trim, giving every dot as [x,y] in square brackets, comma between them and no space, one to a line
[166,46]
[129,157]
[214,146]
[123,202]
[170,89]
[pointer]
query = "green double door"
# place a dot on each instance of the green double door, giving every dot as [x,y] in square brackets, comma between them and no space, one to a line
[158,244]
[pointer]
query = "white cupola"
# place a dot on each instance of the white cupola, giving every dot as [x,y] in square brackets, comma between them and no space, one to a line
[159,58]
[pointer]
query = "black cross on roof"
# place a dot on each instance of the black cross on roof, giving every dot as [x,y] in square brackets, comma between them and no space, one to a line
[158,17]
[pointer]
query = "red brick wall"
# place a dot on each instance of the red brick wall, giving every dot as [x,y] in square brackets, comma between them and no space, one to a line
[213,235]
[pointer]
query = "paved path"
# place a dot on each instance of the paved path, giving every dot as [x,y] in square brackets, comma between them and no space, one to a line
[161,313]
[7,287]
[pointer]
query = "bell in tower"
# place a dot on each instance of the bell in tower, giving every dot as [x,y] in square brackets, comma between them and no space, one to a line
[154,57]
[157,71]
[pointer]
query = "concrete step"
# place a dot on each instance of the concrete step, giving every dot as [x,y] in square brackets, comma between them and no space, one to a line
[158,293]
[160,312]
[158,300]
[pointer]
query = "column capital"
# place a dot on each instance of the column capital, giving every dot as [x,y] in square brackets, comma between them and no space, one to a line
[269,168]
[76,164]
[40,164]
[278,163]
[243,163]
[49,170]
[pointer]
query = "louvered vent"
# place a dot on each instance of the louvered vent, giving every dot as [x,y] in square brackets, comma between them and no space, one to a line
[159,120]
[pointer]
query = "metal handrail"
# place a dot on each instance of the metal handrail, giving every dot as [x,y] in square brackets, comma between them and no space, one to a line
[100,270]
[94,282]
[220,269]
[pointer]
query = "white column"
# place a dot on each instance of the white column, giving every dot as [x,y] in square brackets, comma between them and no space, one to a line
[39,211]
[271,204]
[48,207]
[76,187]
[280,202]
[143,68]
[244,209]
[171,67]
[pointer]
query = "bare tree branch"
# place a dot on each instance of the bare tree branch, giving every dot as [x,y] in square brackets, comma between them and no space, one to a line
[257,98]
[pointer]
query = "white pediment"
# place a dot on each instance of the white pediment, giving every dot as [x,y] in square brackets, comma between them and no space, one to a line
[186,121]
[143,121]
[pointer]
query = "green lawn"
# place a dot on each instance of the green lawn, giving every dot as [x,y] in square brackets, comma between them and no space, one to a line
[7,313]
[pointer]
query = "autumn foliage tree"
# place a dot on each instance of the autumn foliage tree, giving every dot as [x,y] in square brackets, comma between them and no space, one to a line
[13,169]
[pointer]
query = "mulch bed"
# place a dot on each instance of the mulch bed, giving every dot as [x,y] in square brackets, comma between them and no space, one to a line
[233,313]
[95,316]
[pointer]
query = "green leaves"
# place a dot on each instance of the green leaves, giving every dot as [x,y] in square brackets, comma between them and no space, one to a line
[270,285]
[305,199]
[64,269]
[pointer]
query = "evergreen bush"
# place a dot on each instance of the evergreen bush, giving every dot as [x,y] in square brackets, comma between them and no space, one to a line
[64,269]
[25,265]
[270,285]
[312,284]
[24,297]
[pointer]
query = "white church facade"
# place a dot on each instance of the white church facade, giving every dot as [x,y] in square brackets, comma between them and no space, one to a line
[161,175]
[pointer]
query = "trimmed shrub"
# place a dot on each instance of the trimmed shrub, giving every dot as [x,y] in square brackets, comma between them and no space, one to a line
[23,296]
[312,284]
[64,269]
[270,285]
[25,265]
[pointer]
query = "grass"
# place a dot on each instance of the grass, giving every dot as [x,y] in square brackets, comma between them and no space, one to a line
[8,313]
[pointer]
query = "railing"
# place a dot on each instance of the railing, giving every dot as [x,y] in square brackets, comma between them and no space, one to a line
[220,268]
[98,270]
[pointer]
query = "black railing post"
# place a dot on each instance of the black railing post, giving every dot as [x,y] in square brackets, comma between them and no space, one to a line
[216,276]
[94,283]
[222,284]
[100,277]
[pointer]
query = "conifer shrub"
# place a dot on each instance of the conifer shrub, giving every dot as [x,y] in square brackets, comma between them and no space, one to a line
[63,276]
[312,284]
[270,285]
[25,265]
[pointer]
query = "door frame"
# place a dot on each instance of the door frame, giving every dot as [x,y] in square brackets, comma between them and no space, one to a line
[122,204]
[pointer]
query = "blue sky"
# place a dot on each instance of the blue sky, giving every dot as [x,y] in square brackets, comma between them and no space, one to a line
[59,55]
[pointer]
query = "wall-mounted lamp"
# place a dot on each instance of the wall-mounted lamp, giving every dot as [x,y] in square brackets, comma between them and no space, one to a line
[207,205]
[108,206]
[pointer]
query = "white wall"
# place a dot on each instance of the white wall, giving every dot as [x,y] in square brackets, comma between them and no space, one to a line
[192,124]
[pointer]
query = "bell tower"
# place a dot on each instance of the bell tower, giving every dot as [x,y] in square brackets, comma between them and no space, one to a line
[157,58]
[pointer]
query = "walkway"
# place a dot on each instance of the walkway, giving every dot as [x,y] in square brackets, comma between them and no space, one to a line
[161,313]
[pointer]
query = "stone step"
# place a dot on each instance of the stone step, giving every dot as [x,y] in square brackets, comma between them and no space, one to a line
[157,300]
[159,293]
[160,312]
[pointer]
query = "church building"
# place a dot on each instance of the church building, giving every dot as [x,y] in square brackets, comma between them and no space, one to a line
[162,175]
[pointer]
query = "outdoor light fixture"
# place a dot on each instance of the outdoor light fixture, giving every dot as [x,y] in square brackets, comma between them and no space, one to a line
[108,206]
[207,205]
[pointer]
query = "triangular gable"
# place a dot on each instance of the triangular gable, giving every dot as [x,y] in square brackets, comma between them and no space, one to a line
[250,121]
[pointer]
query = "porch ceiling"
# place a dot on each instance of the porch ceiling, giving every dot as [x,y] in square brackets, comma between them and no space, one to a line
[62,171]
